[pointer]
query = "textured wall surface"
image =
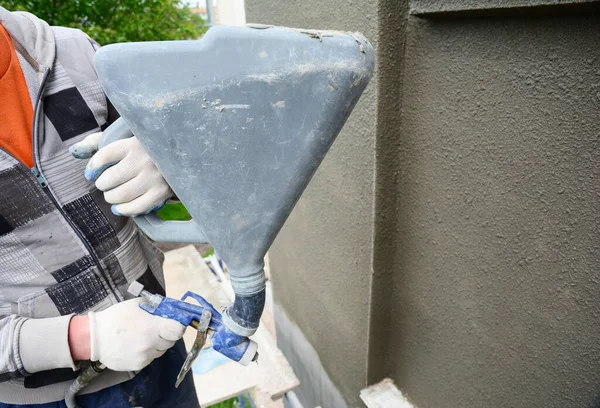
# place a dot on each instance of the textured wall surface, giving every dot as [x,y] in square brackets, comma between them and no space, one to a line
[321,260]
[419,7]
[393,18]
[496,277]
[316,387]
[483,135]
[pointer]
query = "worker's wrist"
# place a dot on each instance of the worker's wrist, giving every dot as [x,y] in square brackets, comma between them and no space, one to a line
[79,338]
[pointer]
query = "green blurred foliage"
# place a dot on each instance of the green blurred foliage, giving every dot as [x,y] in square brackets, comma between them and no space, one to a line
[231,403]
[174,212]
[110,21]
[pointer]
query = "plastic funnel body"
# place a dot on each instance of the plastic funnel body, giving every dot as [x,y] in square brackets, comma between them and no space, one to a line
[237,123]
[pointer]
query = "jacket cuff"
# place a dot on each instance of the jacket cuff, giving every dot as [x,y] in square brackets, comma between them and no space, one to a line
[44,344]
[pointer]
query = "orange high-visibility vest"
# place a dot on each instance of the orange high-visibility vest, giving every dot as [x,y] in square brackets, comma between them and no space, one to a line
[16,112]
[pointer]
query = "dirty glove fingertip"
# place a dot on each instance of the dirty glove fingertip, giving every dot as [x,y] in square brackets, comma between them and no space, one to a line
[87,147]
[156,208]
[82,151]
[92,173]
[115,210]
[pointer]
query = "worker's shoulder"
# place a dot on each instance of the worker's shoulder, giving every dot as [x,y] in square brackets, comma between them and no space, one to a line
[68,34]
[63,33]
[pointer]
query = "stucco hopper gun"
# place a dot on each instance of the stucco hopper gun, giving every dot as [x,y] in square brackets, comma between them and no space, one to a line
[237,122]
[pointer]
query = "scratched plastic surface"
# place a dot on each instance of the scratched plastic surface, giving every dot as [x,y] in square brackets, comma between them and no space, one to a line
[237,123]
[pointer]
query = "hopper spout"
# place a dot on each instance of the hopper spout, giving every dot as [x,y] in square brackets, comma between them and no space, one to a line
[243,316]
[248,285]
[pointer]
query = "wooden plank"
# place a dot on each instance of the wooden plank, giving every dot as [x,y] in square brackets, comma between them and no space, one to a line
[268,379]
[384,395]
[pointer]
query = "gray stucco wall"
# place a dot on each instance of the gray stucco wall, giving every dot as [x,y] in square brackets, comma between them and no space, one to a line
[505,7]
[325,289]
[476,282]
[495,298]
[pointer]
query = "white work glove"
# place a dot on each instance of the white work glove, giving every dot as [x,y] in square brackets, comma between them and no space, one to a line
[127,338]
[125,173]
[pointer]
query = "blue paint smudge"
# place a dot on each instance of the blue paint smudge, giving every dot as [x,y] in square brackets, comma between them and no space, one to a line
[93,174]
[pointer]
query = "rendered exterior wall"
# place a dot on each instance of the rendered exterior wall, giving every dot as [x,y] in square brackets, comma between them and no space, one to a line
[473,258]
[495,285]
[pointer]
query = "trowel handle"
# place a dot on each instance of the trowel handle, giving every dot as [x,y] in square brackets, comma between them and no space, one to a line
[152,225]
[117,131]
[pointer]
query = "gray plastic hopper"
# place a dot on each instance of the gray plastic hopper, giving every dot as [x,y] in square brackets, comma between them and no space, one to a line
[237,123]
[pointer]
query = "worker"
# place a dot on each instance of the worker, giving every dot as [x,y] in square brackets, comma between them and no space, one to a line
[67,254]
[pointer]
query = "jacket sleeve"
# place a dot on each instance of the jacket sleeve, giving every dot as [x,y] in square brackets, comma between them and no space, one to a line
[31,345]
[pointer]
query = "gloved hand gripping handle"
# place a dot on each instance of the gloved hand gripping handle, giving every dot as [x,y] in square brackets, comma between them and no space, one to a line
[151,224]
[234,346]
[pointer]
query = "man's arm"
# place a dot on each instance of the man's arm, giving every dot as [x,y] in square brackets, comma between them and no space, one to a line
[32,345]
[123,337]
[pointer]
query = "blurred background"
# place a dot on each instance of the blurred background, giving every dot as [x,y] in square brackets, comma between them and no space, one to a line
[110,21]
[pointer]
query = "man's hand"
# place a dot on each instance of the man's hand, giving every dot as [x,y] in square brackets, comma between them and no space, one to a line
[123,337]
[125,173]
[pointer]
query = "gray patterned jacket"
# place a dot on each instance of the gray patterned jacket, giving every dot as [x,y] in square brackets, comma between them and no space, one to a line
[62,251]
